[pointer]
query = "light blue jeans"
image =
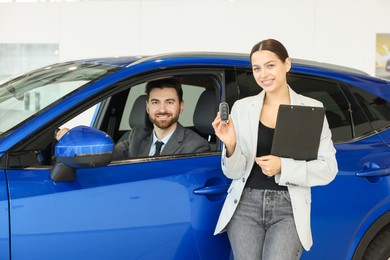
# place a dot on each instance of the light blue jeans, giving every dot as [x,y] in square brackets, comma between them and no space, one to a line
[263,227]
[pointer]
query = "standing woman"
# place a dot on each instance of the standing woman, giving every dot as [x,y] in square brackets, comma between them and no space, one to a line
[267,210]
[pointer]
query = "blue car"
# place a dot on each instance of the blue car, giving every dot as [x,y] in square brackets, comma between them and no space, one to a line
[69,199]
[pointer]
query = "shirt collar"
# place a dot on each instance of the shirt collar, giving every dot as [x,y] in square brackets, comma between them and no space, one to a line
[164,140]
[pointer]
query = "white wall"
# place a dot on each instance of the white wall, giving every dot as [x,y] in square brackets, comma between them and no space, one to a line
[342,32]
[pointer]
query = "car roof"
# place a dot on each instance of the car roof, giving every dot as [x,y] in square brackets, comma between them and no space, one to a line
[208,57]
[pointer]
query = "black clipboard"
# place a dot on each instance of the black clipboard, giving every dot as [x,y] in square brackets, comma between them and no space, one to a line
[298,132]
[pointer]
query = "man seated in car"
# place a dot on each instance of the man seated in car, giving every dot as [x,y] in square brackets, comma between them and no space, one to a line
[167,136]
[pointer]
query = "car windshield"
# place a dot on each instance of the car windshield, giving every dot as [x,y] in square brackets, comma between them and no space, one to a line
[27,95]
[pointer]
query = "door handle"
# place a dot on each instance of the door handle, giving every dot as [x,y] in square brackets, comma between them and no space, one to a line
[212,190]
[374,173]
[373,170]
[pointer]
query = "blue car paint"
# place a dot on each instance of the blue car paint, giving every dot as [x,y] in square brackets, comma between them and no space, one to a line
[4,218]
[331,223]
[95,114]
[55,228]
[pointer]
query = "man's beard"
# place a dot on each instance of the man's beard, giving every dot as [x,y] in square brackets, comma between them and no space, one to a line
[166,123]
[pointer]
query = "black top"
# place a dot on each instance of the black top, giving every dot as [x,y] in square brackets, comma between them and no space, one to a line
[258,180]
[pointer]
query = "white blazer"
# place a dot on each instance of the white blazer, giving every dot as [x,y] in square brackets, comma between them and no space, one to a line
[298,176]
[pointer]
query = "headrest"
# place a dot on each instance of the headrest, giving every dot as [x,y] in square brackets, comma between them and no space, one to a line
[205,112]
[138,115]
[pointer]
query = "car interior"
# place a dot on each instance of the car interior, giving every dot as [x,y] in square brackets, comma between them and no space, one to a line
[127,109]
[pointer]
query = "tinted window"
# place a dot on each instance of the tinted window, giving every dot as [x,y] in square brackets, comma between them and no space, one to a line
[331,96]
[371,107]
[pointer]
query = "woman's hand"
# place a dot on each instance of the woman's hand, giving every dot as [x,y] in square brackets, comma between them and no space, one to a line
[226,133]
[269,164]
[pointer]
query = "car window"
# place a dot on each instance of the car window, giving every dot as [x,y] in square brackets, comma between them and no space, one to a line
[374,108]
[337,106]
[29,94]
[85,118]
[333,99]
[132,95]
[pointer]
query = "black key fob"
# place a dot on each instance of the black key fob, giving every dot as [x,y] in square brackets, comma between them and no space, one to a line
[224,111]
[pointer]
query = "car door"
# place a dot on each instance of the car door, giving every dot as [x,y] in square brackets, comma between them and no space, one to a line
[343,209]
[138,208]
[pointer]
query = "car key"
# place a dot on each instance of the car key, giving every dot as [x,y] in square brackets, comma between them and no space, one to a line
[224,111]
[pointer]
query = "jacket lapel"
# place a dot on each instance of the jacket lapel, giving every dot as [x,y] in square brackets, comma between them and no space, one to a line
[175,141]
[254,117]
[295,99]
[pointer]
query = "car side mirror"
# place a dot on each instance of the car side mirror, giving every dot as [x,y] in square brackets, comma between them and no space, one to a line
[81,147]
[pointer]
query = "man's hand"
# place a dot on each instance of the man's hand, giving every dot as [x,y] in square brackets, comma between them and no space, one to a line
[61,133]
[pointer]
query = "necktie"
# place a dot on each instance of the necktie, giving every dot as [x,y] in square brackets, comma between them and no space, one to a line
[158,144]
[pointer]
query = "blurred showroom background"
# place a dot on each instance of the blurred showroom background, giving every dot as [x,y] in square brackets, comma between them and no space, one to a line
[35,33]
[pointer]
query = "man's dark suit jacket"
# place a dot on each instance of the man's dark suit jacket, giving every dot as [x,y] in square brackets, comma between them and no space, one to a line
[139,141]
